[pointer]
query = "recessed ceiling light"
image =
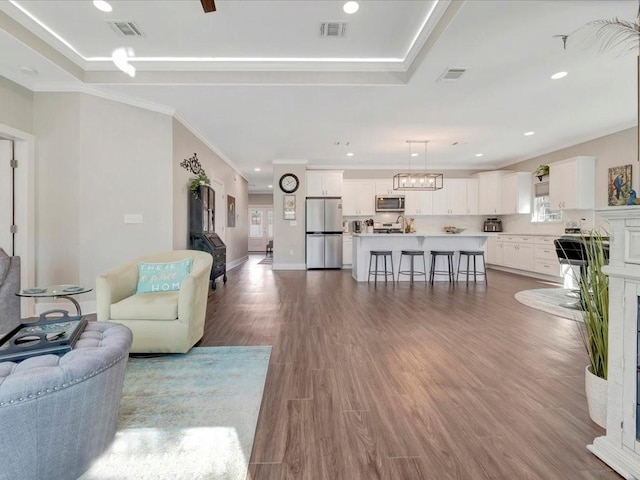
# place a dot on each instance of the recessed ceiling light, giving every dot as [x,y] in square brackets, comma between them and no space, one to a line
[349,154]
[414,154]
[558,75]
[102,5]
[528,134]
[256,169]
[270,186]
[479,154]
[350,7]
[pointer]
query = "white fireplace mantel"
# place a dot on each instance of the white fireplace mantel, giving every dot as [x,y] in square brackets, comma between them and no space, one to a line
[619,447]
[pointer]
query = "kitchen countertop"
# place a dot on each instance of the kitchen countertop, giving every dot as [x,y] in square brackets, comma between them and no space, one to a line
[428,234]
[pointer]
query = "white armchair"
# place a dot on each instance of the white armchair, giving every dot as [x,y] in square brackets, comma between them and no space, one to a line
[162,322]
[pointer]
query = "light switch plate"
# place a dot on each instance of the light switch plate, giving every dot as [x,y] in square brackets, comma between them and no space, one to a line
[132,218]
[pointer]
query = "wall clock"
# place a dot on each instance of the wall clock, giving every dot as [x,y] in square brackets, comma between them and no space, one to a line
[289,183]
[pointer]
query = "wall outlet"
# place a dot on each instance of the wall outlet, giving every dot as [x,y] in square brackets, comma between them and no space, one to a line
[132,218]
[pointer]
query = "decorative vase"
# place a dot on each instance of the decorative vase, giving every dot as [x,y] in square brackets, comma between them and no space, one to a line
[596,390]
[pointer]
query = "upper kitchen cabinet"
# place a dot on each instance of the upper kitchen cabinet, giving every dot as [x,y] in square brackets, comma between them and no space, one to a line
[418,203]
[490,192]
[358,197]
[516,193]
[324,183]
[572,184]
[385,187]
[458,197]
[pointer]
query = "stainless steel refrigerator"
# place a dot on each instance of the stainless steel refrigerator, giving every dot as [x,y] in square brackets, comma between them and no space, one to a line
[324,232]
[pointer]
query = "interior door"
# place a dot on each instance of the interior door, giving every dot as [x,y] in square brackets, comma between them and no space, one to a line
[6,197]
[260,228]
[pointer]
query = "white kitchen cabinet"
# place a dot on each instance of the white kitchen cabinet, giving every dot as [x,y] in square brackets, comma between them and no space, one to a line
[515,193]
[545,257]
[385,188]
[494,251]
[518,252]
[572,183]
[358,197]
[418,203]
[347,250]
[458,197]
[472,196]
[324,183]
[489,192]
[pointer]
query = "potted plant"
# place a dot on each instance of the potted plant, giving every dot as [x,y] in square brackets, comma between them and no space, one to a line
[200,179]
[541,171]
[594,292]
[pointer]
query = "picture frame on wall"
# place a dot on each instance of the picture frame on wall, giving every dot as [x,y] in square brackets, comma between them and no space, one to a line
[619,185]
[289,207]
[231,211]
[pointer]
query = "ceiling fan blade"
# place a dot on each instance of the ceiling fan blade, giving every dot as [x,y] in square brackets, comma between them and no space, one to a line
[208,5]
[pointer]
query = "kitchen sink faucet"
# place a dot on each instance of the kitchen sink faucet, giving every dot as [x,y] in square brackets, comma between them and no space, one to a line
[404,222]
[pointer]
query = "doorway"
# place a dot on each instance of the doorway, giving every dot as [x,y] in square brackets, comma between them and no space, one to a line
[260,228]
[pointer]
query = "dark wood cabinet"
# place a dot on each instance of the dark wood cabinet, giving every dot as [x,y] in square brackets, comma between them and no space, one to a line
[202,235]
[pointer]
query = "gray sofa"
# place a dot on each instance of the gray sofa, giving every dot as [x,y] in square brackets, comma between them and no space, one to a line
[58,414]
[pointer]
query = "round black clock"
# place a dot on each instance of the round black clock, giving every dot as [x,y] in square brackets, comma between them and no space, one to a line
[289,183]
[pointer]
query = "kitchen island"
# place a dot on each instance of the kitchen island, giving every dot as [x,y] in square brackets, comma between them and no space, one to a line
[363,243]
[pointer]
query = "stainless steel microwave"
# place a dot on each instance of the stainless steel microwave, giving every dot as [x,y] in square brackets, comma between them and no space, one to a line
[389,203]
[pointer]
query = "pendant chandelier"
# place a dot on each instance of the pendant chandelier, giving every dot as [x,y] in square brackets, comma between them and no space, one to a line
[418,180]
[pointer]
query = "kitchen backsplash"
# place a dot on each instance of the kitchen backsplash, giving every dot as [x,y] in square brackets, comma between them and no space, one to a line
[587,219]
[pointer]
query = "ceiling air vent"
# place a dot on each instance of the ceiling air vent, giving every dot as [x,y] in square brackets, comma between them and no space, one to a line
[451,74]
[128,29]
[333,29]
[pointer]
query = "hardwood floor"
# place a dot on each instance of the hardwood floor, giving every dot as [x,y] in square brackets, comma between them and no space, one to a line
[400,382]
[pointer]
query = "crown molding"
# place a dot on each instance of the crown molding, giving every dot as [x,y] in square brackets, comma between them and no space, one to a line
[213,148]
[289,162]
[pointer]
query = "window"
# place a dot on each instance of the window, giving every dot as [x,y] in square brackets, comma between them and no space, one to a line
[542,212]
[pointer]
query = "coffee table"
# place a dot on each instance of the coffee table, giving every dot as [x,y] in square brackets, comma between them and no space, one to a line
[56,291]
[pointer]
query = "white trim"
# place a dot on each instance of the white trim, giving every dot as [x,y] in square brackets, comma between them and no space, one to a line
[202,138]
[237,262]
[290,162]
[97,92]
[289,266]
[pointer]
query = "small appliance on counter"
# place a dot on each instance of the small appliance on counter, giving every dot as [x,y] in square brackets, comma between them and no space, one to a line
[356,226]
[345,226]
[379,227]
[573,226]
[492,224]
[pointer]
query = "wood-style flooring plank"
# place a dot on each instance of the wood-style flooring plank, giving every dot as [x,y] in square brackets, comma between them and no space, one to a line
[408,383]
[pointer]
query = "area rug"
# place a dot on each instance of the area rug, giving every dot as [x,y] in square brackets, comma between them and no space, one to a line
[548,300]
[266,261]
[190,416]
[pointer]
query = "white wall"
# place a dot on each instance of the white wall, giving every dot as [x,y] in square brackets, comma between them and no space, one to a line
[95,161]
[125,167]
[16,106]
[289,236]
[185,144]
[261,199]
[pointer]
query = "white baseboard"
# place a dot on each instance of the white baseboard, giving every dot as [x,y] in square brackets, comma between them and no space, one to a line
[289,266]
[526,273]
[237,262]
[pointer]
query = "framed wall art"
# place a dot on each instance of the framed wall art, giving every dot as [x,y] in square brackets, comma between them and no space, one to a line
[289,207]
[231,211]
[619,185]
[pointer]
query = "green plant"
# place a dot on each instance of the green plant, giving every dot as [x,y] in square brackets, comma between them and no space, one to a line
[541,171]
[198,180]
[594,291]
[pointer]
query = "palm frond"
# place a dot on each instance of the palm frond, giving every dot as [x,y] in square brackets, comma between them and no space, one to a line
[615,32]
[612,33]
